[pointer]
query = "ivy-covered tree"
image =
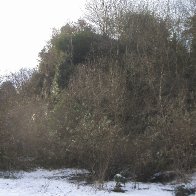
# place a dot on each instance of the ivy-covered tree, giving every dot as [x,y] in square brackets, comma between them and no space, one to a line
[70,46]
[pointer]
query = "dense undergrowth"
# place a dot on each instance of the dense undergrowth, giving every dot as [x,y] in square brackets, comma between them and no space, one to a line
[120,98]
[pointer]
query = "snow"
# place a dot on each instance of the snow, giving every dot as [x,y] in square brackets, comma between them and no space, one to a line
[57,183]
[118,175]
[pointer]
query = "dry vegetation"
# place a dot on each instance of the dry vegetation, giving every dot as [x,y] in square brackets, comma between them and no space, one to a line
[114,96]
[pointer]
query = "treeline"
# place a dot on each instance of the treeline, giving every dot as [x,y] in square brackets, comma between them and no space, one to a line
[114,94]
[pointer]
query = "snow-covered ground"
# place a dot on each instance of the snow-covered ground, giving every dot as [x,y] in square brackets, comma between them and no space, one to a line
[57,183]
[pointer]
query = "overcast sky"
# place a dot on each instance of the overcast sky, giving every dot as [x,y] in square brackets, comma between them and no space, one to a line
[26,25]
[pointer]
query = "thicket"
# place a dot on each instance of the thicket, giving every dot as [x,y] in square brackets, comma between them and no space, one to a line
[114,94]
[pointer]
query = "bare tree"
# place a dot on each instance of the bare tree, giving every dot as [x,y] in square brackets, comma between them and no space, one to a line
[103,13]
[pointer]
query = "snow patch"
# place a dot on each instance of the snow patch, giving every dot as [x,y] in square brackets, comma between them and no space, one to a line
[56,183]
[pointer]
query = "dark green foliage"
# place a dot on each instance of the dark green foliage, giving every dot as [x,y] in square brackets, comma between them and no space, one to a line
[72,45]
[64,73]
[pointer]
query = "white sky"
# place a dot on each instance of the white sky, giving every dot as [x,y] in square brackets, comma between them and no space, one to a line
[26,26]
